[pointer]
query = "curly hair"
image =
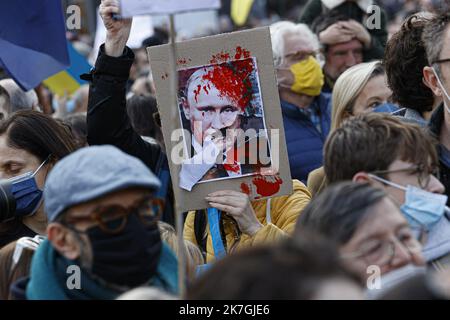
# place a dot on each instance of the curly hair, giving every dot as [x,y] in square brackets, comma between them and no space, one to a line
[404,59]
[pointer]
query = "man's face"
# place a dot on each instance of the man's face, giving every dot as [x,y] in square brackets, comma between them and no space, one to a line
[407,173]
[342,56]
[209,110]
[296,49]
[445,66]
[81,217]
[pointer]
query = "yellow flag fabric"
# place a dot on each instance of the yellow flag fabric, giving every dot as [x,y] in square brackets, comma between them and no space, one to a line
[240,9]
[62,83]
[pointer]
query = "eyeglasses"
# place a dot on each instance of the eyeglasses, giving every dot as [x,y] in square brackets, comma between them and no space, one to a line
[441,61]
[113,219]
[424,173]
[381,253]
[300,55]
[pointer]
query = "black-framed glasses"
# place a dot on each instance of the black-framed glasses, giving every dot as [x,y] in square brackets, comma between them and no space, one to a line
[382,252]
[423,172]
[441,61]
[112,219]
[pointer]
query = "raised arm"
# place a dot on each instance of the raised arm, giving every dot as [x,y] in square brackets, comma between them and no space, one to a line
[107,118]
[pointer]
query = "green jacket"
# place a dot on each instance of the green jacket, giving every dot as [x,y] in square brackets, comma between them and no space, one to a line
[314,8]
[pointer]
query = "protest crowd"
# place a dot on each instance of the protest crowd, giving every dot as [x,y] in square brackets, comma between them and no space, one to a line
[89,202]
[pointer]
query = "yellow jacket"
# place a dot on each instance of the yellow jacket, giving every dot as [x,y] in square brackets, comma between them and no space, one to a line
[316,181]
[284,212]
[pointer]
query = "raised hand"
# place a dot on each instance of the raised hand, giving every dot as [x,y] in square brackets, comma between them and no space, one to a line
[117,30]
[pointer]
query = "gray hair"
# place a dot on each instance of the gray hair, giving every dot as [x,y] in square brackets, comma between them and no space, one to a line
[278,32]
[433,38]
[19,99]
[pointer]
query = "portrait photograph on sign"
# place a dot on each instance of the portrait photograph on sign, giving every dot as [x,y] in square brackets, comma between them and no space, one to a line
[222,114]
[222,124]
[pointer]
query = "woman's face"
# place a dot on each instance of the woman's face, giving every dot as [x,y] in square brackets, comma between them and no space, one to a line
[14,162]
[375,92]
[384,240]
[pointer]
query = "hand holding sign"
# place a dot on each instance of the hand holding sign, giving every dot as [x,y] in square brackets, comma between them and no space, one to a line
[117,31]
[237,205]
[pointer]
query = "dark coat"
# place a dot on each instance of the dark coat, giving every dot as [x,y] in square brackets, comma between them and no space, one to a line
[108,121]
[304,142]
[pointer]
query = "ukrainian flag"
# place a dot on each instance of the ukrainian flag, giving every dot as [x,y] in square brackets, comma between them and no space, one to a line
[68,81]
[32,40]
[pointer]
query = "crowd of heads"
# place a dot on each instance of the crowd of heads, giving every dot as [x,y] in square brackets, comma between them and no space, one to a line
[373,198]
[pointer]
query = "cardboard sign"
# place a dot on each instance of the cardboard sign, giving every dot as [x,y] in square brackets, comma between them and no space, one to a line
[130,8]
[225,132]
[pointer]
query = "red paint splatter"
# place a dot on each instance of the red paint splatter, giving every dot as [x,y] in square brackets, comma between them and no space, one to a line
[233,167]
[206,89]
[245,188]
[233,81]
[220,57]
[197,92]
[183,61]
[241,53]
[267,187]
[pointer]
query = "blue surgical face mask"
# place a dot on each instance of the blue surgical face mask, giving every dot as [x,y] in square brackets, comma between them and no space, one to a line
[421,208]
[386,108]
[26,193]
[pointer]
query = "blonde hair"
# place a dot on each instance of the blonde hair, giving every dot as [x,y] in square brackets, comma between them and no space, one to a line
[348,87]
[194,256]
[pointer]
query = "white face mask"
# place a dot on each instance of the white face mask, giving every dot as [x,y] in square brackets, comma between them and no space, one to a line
[443,89]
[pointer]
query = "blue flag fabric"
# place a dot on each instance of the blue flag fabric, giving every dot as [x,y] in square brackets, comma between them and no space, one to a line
[32,40]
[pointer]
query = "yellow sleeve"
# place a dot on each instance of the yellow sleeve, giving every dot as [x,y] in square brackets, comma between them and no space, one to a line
[316,181]
[285,211]
[269,233]
[188,231]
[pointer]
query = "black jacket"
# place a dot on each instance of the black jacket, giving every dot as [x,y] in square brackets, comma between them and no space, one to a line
[13,230]
[435,126]
[108,121]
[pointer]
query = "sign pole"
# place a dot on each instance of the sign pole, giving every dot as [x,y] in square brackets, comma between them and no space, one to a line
[178,214]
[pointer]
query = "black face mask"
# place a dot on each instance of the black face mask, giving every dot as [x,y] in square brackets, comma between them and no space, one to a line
[129,258]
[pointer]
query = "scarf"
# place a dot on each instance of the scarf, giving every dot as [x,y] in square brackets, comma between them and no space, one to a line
[49,276]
